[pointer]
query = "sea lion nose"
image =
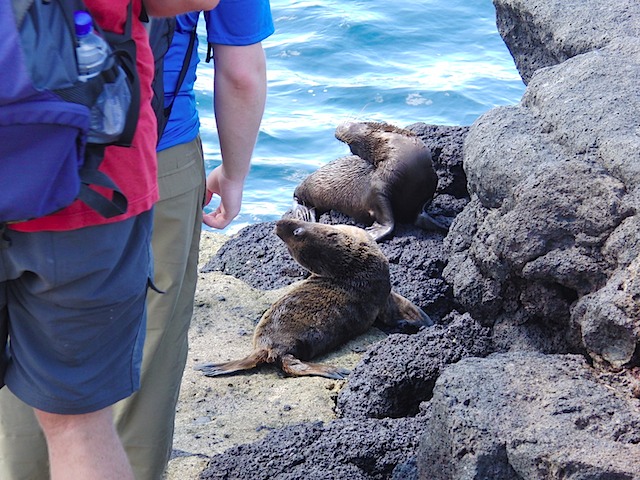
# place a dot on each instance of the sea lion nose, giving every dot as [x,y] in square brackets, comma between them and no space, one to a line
[285,227]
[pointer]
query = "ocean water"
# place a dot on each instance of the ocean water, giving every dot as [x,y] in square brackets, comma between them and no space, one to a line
[434,61]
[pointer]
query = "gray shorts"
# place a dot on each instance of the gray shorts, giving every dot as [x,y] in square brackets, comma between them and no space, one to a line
[74,307]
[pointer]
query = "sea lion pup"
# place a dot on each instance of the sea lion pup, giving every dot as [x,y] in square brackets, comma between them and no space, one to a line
[388,179]
[348,290]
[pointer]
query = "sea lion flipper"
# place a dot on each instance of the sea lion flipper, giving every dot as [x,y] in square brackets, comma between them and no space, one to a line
[401,313]
[252,360]
[429,223]
[380,232]
[381,211]
[296,367]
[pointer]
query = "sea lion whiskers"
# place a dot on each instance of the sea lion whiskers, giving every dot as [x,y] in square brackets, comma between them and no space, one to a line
[356,117]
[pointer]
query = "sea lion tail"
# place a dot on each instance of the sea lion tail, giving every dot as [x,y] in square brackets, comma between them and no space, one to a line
[255,358]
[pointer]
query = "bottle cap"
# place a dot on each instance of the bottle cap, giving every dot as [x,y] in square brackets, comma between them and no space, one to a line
[84,23]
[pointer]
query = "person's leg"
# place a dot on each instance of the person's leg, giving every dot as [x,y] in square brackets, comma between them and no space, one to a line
[23,449]
[4,317]
[4,333]
[84,446]
[145,421]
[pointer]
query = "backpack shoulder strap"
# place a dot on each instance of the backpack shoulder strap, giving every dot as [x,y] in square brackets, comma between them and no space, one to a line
[183,71]
[160,38]
[107,207]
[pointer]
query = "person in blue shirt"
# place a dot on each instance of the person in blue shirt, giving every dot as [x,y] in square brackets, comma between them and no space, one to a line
[145,421]
[234,33]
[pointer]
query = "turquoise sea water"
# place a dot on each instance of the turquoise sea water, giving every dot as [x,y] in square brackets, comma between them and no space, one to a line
[432,61]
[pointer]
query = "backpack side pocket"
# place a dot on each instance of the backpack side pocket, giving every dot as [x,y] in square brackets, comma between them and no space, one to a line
[42,146]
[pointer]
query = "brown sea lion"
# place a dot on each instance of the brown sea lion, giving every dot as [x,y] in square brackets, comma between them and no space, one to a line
[349,289]
[388,179]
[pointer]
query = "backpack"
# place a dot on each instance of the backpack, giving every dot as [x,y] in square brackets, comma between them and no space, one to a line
[160,36]
[47,160]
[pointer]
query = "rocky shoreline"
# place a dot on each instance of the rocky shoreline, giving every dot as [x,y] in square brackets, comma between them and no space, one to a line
[533,368]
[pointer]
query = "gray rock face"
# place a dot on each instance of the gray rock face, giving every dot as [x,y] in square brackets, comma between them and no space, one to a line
[608,318]
[399,374]
[554,184]
[356,450]
[445,144]
[528,416]
[544,33]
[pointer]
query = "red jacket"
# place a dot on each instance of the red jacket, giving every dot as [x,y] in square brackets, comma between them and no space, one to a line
[133,169]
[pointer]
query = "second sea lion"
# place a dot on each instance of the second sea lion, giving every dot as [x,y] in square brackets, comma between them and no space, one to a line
[388,179]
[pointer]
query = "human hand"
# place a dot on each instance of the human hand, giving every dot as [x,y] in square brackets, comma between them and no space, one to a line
[230,193]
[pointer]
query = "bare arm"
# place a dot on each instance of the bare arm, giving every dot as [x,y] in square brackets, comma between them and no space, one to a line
[240,89]
[167,8]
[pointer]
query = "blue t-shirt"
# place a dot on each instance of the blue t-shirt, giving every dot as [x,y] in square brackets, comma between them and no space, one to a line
[232,22]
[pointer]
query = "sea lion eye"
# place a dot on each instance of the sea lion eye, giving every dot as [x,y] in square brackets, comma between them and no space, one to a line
[298,231]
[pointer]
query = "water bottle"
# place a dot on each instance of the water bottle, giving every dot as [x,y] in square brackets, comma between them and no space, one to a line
[109,112]
[92,51]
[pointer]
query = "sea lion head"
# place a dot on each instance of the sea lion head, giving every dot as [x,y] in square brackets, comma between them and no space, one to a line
[337,251]
[349,131]
[375,141]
